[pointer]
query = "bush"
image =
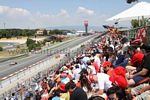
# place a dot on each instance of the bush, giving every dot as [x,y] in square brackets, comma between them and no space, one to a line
[31,44]
[1,49]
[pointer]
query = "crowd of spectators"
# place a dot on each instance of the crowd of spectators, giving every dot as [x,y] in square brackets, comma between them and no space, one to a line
[112,69]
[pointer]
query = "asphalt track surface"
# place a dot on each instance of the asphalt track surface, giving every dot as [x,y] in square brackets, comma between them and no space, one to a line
[7,69]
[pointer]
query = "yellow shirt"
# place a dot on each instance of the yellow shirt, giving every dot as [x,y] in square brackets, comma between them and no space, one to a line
[65,96]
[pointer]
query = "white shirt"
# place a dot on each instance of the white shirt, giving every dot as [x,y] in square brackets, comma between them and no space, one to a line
[76,73]
[111,45]
[97,60]
[92,68]
[103,81]
[86,59]
[125,46]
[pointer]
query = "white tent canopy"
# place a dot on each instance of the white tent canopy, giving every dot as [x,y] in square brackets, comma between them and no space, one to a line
[138,10]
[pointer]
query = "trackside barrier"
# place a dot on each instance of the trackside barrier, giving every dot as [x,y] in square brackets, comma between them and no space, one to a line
[19,81]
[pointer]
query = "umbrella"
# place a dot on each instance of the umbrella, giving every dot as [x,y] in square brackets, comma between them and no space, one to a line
[138,10]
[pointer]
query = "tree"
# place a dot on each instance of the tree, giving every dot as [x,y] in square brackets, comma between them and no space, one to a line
[148,23]
[135,23]
[56,31]
[30,41]
[31,44]
[51,32]
[8,34]
[139,23]
[45,32]
[1,34]
[28,33]
[24,32]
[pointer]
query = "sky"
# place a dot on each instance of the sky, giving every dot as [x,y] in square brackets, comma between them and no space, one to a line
[51,13]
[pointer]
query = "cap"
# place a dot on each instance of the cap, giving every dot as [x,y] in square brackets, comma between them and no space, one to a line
[120,71]
[62,86]
[137,58]
[120,81]
[118,77]
[106,64]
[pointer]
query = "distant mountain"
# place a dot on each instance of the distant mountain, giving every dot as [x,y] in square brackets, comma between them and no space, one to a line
[77,28]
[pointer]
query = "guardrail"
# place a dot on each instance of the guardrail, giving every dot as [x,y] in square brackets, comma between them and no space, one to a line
[16,81]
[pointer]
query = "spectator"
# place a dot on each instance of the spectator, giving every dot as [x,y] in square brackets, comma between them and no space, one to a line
[85,84]
[6,98]
[142,73]
[85,58]
[65,95]
[96,98]
[121,61]
[116,93]
[56,95]
[28,94]
[37,95]
[95,65]
[84,72]
[91,68]
[97,58]
[136,60]
[141,92]
[107,67]
[112,57]
[100,82]
[76,92]
[76,72]
[14,97]
[118,77]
